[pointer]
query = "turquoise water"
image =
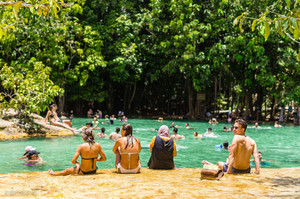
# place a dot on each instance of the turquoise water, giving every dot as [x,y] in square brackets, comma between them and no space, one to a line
[280,146]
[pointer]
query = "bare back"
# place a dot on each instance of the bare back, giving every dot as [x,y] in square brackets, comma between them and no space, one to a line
[89,155]
[176,137]
[114,136]
[130,155]
[241,150]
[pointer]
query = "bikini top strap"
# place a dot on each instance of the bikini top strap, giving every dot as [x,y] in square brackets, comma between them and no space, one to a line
[89,159]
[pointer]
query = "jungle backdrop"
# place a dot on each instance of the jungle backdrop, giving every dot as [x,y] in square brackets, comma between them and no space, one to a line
[150,57]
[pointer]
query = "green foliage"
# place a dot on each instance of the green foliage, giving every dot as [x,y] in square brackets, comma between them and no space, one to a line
[282,19]
[10,11]
[150,53]
[27,88]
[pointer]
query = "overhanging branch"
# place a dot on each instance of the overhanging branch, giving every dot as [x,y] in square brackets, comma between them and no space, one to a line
[29,5]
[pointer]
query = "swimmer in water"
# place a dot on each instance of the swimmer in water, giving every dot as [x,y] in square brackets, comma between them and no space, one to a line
[196,135]
[261,161]
[88,125]
[115,135]
[176,136]
[102,133]
[225,145]
[33,158]
[25,155]
[187,126]
[276,125]
[226,129]
[209,133]
[213,121]
[172,125]
[255,126]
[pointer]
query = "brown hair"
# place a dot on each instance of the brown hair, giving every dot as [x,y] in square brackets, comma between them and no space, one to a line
[128,135]
[52,106]
[88,134]
[242,123]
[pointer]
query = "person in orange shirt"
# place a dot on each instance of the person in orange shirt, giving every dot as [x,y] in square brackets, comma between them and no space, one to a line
[163,149]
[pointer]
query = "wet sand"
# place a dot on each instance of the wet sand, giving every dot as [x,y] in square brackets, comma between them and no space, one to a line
[179,183]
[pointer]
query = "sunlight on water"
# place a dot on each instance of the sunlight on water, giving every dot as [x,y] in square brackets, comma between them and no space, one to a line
[280,146]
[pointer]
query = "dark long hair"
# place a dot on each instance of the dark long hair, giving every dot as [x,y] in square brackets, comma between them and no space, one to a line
[88,135]
[128,135]
[52,106]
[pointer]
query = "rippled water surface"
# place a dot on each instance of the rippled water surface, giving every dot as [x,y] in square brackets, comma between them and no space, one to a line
[280,146]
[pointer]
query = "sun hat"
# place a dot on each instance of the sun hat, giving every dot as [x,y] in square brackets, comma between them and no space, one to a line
[29,148]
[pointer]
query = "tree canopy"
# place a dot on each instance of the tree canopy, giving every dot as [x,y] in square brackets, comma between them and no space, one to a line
[154,57]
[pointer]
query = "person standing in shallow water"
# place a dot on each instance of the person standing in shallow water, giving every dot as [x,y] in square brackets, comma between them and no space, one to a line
[115,135]
[163,149]
[176,136]
[127,151]
[89,152]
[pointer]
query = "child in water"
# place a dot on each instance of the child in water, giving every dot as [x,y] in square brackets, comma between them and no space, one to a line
[33,158]
[25,155]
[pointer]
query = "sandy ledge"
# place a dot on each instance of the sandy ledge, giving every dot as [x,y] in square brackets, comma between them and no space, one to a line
[179,183]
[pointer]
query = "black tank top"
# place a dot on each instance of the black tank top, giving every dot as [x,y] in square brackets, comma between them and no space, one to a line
[162,154]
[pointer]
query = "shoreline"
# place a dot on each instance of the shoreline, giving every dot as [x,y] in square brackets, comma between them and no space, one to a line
[178,183]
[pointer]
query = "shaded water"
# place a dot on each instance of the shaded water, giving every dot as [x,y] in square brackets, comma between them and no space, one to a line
[280,146]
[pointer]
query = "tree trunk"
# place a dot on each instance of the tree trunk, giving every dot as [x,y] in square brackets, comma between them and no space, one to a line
[237,113]
[281,117]
[61,102]
[110,99]
[125,98]
[260,98]
[140,104]
[197,106]
[132,97]
[247,108]
[191,113]
[215,92]
[231,95]
[252,112]
[265,109]
[272,109]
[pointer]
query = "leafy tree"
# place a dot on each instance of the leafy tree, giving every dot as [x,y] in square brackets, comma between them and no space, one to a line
[277,16]
[27,89]
[11,13]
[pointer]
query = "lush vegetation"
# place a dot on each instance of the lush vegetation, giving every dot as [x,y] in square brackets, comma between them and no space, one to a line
[152,57]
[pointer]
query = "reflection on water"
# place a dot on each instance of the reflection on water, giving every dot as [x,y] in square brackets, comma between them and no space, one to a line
[279,146]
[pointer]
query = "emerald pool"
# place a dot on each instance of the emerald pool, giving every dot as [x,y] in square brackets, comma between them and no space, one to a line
[279,146]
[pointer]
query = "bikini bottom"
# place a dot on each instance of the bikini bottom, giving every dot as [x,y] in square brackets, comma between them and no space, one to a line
[85,172]
[127,171]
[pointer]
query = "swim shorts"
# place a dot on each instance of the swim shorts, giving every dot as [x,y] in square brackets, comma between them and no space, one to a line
[234,170]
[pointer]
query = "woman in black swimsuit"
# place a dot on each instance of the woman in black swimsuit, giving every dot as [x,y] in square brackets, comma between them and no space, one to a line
[89,152]
[54,119]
